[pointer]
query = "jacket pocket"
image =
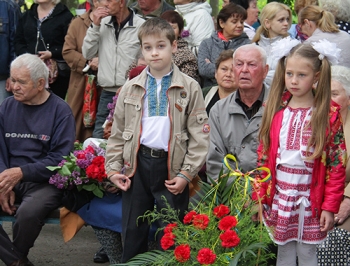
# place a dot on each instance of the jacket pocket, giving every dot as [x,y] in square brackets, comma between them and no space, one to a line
[134,103]
[132,111]
[180,150]
[128,148]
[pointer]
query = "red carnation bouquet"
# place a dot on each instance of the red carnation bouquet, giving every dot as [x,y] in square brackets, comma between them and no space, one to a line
[218,230]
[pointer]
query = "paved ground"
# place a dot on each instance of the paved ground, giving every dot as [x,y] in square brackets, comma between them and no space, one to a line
[50,249]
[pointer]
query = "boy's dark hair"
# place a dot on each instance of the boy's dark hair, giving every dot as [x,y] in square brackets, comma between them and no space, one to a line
[230,10]
[224,55]
[156,26]
[173,17]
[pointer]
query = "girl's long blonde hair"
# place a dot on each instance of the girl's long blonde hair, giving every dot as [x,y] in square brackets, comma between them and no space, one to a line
[322,98]
[268,13]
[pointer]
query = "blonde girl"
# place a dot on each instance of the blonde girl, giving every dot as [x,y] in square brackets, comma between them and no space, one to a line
[275,21]
[305,153]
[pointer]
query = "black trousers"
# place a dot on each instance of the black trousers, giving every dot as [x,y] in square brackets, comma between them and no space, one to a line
[37,202]
[147,187]
[8,252]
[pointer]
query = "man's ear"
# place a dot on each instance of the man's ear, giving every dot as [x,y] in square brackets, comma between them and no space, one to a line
[41,84]
[266,70]
[122,2]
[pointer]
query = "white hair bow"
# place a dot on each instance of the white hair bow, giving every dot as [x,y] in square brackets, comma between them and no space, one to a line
[282,47]
[327,49]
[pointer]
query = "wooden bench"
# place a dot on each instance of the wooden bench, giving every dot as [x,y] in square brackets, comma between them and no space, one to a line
[52,218]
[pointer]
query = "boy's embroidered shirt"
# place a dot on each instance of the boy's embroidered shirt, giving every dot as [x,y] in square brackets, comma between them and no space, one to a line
[158,101]
[155,120]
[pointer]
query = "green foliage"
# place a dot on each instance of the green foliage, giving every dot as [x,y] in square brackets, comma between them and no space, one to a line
[230,191]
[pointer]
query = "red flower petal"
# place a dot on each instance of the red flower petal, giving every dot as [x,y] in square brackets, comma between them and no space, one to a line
[200,221]
[221,211]
[206,256]
[229,239]
[189,216]
[227,223]
[182,253]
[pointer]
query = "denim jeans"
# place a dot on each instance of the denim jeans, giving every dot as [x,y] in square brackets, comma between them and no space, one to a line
[102,113]
[3,92]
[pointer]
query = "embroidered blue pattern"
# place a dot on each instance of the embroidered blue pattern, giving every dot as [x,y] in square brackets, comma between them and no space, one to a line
[155,107]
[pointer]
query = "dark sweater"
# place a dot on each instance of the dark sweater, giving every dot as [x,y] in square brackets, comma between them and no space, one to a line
[33,137]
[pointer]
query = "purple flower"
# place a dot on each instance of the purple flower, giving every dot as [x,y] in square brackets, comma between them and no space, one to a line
[83,164]
[78,181]
[111,107]
[185,33]
[62,163]
[75,174]
[59,181]
[60,186]
[90,157]
[100,152]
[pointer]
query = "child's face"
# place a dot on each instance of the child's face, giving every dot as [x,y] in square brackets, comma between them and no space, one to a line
[279,25]
[157,51]
[300,77]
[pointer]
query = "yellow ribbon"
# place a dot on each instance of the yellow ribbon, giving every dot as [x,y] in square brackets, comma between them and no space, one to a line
[236,172]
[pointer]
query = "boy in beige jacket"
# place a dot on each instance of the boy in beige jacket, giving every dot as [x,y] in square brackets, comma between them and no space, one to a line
[159,138]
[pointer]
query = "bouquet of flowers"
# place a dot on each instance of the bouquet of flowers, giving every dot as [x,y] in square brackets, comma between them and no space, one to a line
[219,229]
[82,169]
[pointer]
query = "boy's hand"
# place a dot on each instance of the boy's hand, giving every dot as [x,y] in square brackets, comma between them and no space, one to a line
[121,181]
[326,221]
[176,185]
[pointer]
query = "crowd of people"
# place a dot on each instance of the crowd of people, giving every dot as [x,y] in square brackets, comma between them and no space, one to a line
[190,89]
